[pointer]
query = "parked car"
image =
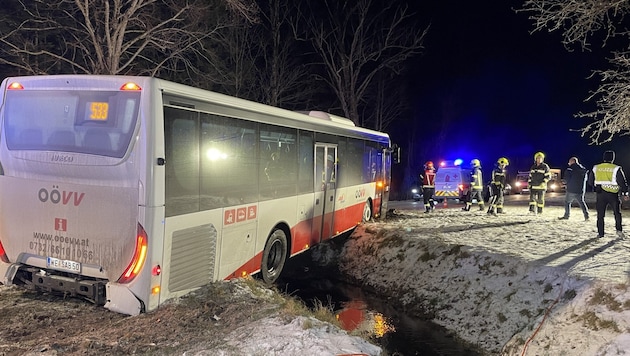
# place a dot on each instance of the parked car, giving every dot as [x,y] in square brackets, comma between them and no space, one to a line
[556,185]
[520,185]
[416,193]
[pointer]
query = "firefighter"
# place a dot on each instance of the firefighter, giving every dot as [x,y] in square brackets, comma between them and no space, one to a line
[428,186]
[476,186]
[609,182]
[497,186]
[539,175]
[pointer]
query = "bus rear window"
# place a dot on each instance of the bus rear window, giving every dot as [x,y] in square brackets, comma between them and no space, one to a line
[91,122]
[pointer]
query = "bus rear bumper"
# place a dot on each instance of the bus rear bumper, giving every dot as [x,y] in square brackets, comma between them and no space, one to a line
[36,278]
[113,296]
[121,300]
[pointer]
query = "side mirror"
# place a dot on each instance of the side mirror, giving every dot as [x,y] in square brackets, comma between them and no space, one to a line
[396,154]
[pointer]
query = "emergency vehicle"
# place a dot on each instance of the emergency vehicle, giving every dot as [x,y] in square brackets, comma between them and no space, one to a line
[451,181]
[521,184]
[555,184]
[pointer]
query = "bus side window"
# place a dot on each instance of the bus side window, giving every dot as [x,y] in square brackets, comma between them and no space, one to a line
[273,169]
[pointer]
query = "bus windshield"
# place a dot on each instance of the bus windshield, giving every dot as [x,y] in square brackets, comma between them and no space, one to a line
[91,122]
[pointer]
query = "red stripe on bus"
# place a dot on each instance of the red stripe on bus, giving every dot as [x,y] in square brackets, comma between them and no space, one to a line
[306,234]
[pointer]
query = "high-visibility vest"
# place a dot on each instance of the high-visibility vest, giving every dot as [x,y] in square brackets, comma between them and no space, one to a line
[428,179]
[476,180]
[606,176]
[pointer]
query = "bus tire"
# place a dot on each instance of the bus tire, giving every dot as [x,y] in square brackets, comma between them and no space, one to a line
[367,211]
[274,256]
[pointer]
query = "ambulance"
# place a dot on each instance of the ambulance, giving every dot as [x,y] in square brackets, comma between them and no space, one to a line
[451,181]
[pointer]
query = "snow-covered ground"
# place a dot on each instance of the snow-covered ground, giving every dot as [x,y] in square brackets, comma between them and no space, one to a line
[512,284]
[300,336]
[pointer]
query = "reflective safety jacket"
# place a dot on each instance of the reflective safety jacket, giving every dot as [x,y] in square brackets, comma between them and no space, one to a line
[609,177]
[539,175]
[498,176]
[428,178]
[476,180]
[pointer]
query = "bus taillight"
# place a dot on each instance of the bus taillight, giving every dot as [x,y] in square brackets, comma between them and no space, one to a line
[130,86]
[139,256]
[15,86]
[157,270]
[3,254]
[380,184]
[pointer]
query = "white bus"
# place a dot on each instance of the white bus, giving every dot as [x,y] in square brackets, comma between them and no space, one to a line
[128,191]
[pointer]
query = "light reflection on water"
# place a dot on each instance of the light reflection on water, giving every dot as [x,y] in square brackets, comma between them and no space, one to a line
[369,316]
[355,315]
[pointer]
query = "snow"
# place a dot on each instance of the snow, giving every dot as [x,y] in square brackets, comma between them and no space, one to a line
[504,283]
[512,284]
[301,336]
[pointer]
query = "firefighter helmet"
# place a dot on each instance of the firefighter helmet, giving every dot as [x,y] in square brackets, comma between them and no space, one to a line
[475,163]
[539,154]
[429,164]
[503,161]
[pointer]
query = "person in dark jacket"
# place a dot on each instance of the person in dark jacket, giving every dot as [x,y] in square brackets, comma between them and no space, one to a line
[610,183]
[575,175]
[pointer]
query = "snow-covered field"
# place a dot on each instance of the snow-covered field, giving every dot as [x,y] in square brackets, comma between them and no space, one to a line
[513,284]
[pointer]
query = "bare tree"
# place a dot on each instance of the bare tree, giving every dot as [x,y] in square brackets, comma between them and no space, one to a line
[236,49]
[357,39]
[580,21]
[108,36]
[386,101]
[284,71]
[262,61]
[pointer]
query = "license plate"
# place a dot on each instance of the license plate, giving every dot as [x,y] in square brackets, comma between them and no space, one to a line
[65,265]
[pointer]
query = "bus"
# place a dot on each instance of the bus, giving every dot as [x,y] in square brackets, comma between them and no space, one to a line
[128,191]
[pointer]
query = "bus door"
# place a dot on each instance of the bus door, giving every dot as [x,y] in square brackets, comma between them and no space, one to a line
[325,187]
[382,189]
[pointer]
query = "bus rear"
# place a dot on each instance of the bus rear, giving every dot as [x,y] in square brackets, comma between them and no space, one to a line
[71,189]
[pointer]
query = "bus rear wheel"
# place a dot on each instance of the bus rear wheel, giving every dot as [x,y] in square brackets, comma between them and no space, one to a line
[274,256]
[367,211]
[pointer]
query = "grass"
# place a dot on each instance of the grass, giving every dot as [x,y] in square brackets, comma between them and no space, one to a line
[569,295]
[509,296]
[601,297]
[292,307]
[427,256]
[593,322]
[526,313]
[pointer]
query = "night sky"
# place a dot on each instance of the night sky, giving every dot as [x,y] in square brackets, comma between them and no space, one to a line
[485,88]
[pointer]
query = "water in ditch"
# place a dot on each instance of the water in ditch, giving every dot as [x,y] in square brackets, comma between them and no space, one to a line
[393,330]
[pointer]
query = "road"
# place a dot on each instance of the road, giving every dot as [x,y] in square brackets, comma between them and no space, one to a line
[512,200]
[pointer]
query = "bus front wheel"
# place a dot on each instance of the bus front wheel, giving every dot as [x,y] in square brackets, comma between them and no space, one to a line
[367,211]
[274,256]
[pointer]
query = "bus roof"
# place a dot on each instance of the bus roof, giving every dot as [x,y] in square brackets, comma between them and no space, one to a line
[187,97]
[311,120]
